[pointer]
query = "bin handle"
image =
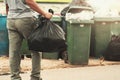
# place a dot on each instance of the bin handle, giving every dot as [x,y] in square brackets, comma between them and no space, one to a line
[104,23]
[116,22]
[82,25]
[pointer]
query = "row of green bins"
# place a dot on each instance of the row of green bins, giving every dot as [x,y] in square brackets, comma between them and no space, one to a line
[53,55]
[102,35]
[4,43]
[78,40]
[104,28]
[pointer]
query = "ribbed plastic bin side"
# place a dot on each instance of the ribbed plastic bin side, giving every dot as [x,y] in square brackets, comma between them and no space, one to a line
[4,43]
[78,40]
[102,34]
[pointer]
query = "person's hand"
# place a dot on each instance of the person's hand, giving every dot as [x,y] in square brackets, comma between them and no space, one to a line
[48,15]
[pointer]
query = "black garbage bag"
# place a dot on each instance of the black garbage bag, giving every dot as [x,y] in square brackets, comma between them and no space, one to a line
[48,37]
[113,49]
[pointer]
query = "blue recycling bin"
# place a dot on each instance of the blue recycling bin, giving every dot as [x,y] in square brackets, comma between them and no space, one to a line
[4,42]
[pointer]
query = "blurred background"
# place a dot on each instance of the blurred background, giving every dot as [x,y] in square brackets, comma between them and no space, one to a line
[100,6]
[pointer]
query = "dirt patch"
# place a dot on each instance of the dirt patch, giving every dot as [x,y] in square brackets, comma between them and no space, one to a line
[50,64]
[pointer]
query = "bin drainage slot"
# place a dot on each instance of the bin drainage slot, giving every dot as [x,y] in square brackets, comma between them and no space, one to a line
[103,23]
[81,25]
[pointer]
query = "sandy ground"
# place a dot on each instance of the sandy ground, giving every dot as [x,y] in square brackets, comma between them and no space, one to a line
[50,64]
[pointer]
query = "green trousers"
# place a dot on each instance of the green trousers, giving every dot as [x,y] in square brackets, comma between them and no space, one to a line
[19,29]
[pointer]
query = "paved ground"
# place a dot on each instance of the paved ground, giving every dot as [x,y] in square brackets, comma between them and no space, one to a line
[51,64]
[109,72]
[58,70]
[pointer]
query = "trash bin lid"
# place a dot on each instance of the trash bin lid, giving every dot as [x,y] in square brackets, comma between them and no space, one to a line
[76,9]
[74,21]
[80,7]
[107,19]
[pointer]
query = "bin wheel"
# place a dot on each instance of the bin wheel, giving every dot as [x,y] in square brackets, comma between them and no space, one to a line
[65,56]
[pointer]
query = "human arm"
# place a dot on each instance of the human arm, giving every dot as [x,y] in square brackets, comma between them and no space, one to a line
[33,5]
[7,8]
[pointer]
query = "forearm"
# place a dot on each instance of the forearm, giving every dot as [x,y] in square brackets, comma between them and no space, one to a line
[7,9]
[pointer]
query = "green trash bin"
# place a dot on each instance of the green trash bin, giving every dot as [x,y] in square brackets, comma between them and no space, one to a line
[78,40]
[24,49]
[102,35]
[116,26]
[57,20]
[53,55]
